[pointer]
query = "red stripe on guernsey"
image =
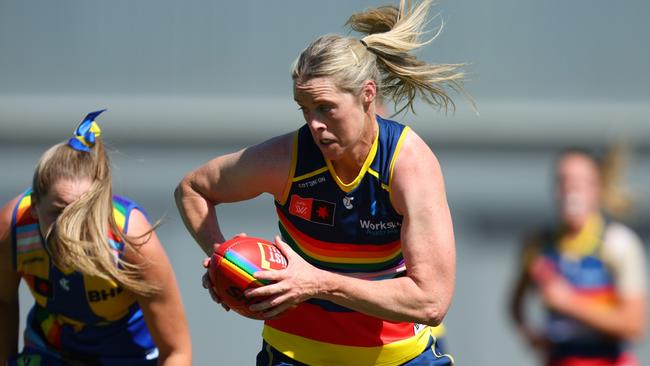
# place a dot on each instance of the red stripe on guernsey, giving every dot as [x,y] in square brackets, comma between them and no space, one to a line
[27,234]
[329,249]
[343,328]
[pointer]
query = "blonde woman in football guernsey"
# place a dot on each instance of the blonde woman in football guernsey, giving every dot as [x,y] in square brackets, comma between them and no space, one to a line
[104,290]
[361,203]
[588,269]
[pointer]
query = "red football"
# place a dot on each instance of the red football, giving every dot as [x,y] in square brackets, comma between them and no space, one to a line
[232,266]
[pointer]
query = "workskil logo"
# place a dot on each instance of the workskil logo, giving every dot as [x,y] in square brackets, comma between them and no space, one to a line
[380,227]
[310,209]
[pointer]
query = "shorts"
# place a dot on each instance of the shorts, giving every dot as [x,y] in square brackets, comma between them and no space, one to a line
[431,356]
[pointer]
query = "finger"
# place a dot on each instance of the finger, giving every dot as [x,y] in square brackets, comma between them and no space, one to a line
[284,247]
[205,281]
[269,275]
[206,262]
[240,235]
[272,302]
[214,296]
[277,311]
[268,290]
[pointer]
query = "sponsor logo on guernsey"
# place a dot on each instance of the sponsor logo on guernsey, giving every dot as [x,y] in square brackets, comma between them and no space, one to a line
[311,183]
[313,210]
[347,202]
[379,227]
[65,283]
[104,294]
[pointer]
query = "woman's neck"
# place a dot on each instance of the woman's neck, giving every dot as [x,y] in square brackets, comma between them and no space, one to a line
[347,168]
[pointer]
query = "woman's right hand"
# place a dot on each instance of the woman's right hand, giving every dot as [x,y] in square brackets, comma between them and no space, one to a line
[205,280]
[207,284]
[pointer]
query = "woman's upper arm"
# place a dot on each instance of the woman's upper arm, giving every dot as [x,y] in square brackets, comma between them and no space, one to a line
[247,173]
[163,311]
[9,279]
[418,193]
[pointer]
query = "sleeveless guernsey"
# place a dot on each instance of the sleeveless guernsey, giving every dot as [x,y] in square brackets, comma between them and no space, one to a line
[351,229]
[582,264]
[78,317]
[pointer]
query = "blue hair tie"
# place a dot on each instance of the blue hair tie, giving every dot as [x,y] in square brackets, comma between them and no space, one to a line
[86,133]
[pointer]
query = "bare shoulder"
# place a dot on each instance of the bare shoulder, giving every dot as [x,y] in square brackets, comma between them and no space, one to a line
[416,172]
[138,223]
[270,160]
[271,154]
[142,234]
[415,157]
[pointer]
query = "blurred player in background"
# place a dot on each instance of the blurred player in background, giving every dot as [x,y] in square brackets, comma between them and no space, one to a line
[104,290]
[588,269]
[361,204]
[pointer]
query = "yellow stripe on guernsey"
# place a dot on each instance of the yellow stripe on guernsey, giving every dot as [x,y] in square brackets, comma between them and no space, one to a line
[292,170]
[347,187]
[375,174]
[320,353]
[438,331]
[398,148]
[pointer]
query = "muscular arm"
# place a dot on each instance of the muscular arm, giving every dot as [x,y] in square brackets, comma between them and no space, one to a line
[230,178]
[428,247]
[162,311]
[424,295]
[9,281]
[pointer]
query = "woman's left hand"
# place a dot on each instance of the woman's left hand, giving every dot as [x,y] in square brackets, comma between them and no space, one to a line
[298,282]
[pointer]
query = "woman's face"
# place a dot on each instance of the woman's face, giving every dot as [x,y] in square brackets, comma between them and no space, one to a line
[335,118]
[578,188]
[62,193]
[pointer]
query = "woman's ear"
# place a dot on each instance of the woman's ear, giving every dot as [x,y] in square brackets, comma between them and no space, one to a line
[369,91]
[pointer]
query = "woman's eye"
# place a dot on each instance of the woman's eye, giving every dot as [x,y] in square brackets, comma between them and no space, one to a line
[325,108]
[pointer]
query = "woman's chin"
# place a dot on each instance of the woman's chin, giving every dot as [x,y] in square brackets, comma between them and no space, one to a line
[330,152]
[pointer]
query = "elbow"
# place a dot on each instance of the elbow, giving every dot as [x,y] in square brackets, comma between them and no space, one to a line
[432,315]
[181,189]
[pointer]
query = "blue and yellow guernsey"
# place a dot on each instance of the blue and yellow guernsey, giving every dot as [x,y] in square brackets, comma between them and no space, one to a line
[77,317]
[352,229]
[580,262]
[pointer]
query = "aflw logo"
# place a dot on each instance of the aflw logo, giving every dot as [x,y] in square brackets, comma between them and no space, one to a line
[381,225]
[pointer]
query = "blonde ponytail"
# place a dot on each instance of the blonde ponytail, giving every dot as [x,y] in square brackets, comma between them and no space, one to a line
[79,238]
[615,196]
[383,55]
